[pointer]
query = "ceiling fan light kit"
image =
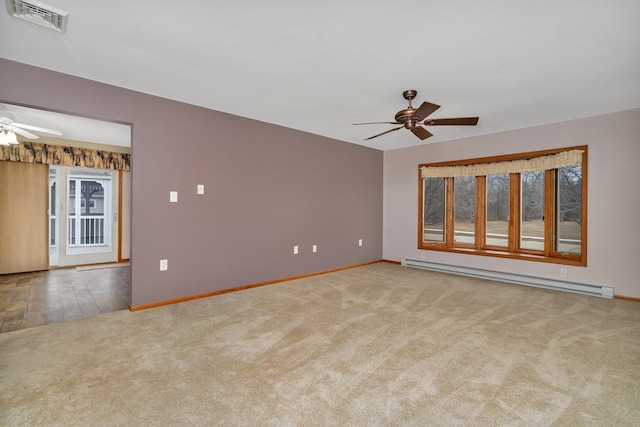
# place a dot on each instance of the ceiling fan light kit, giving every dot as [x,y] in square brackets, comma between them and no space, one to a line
[8,138]
[414,118]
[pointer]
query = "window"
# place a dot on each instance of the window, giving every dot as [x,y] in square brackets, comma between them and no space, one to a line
[569,218]
[464,210]
[89,215]
[532,210]
[52,208]
[497,213]
[83,204]
[434,203]
[526,206]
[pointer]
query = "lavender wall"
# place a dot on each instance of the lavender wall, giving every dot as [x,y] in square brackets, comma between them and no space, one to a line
[267,188]
[613,199]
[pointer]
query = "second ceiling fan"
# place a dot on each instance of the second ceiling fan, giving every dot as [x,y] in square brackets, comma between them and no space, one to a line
[414,118]
[9,129]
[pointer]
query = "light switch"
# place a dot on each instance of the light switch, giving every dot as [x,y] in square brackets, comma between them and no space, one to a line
[200,188]
[295,250]
[173,196]
[315,248]
[164,265]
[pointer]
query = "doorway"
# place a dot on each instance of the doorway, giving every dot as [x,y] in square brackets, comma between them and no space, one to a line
[78,225]
[82,228]
[85,216]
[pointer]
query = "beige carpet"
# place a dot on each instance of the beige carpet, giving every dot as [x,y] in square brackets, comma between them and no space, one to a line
[375,345]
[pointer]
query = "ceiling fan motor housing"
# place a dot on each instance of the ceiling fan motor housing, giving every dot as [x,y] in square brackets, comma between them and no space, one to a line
[404,116]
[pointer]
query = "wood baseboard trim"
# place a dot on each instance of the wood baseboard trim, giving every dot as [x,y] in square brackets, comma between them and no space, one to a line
[242,288]
[627,298]
[392,262]
[64,267]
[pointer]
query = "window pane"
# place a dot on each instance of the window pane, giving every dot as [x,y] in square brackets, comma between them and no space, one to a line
[464,208]
[72,197]
[532,210]
[89,209]
[92,198]
[434,203]
[52,207]
[569,215]
[498,210]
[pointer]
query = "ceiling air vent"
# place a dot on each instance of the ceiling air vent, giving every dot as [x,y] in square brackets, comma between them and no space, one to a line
[38,13]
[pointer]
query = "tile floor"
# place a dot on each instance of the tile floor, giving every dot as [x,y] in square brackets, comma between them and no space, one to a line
[39,298]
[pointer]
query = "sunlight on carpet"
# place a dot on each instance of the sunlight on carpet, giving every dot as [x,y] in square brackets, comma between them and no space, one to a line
[101,266]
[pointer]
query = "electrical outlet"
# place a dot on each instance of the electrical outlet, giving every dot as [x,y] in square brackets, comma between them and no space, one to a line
[200,189]
[563,272]
[295,250]
[164,264]
[360,242]
[423,255]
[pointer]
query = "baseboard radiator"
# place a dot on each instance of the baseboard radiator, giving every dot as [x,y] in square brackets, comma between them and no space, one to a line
[520,279]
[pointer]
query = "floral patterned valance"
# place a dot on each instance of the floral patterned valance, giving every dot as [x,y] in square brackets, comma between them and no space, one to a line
[33,152]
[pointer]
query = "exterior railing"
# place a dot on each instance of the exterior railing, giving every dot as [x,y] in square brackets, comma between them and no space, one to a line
[90,232]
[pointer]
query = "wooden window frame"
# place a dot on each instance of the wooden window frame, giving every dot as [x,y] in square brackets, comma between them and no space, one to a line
[513,250]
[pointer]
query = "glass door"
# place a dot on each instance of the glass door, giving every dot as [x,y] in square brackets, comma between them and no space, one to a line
[89,218]
[53,225]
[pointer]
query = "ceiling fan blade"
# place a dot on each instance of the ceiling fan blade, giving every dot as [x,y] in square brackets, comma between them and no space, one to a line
[424,110]
[421,132]
[379,123]
[459,121]
[23,132]
[380,134]
[37,129]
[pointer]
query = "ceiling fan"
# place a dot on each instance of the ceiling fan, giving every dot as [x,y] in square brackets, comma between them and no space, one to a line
[9,129]
[411,118]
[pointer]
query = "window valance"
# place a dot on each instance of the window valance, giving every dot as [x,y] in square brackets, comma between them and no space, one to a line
[32,152]
[554,161]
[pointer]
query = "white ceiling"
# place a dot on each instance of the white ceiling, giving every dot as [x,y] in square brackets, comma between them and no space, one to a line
[72,127]
[321,66]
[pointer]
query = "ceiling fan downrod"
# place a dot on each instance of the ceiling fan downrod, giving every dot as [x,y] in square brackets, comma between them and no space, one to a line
[405,116]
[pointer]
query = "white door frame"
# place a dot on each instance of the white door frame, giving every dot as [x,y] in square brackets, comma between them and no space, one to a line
[63,255]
